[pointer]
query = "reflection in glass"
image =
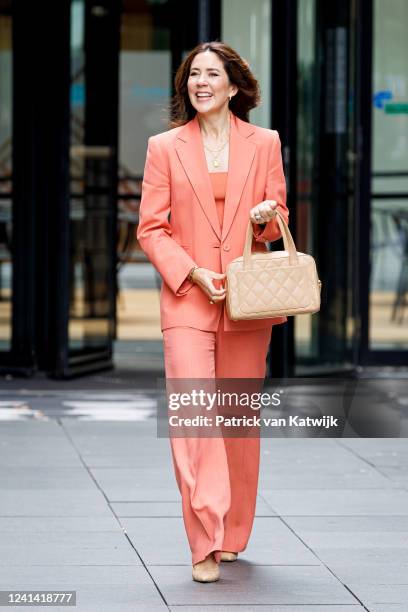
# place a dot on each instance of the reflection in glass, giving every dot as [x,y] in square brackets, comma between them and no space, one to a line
[89,308]
[6,186]
[246,26]
[389,204]
[144,94]
[306,325]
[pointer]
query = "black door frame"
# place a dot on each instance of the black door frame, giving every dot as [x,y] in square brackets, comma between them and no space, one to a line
[39,179]
[363,176]
[284,119]
[20,359]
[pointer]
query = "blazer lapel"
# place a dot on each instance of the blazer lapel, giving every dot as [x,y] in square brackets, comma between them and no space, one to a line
[241,155]
[191,154]
[190,151]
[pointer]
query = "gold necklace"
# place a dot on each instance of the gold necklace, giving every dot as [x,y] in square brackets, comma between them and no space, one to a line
[215,161]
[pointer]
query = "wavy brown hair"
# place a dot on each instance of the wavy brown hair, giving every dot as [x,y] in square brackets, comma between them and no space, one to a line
[239,73]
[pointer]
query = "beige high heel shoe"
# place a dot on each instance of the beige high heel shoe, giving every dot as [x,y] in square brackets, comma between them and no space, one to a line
[207,570]
[229,556]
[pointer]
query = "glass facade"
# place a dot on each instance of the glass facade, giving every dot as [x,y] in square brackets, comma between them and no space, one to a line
[388,304]
[72,276]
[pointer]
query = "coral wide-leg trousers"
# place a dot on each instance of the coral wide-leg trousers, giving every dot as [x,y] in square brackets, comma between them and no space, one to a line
[217,477]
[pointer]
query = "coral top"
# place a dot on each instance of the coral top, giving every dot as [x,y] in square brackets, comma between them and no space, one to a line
[219,185]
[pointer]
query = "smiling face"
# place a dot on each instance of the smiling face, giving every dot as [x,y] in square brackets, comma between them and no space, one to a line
[208,84]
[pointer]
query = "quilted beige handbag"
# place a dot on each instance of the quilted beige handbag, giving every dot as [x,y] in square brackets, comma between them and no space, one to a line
[273,283]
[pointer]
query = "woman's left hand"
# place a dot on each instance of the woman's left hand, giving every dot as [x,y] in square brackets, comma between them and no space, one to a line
[263,212]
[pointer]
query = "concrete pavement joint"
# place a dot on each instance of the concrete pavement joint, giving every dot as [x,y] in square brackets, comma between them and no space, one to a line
[322,562]
[110,507]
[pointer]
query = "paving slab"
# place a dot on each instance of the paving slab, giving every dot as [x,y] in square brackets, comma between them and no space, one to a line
[42,428]
[303,458]
[114,429]
[273,543]
[245,584]
[367,565]
[159,541]
[270,608]
[142,448]
[307,449]
[388,607]
[121,442]
[147,509]
[340,532]
[380,451]
[131,588]
[45,478]
[163,509]
[334,525]
[398,474]
[71,548]
[326,476]
[118,451]
[163,541]
[105,600]
[158,494]
[364,446]
[124,459]
[381,594]
[132,448]
[337,502]
[72,576]
[35,439]
[40,456]
[262,507]
[131,484]
[33,442]
[46,502]
[40,524]
[315,444]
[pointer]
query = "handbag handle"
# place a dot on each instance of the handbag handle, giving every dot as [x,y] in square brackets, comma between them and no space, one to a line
[288,241]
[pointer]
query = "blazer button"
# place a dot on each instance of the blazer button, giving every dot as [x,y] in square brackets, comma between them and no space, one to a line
[226,247]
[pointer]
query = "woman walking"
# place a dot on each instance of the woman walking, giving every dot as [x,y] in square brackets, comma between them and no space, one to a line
[203,180]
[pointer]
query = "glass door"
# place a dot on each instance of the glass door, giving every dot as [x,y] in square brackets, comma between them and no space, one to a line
[387,333]
[325,200]
[93,179]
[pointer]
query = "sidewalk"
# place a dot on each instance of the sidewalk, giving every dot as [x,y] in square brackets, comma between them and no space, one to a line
[89,502]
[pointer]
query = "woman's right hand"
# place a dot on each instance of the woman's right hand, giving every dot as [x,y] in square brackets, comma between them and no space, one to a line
[204,279]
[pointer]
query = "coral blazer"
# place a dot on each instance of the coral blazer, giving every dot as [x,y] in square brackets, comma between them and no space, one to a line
[178,223]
